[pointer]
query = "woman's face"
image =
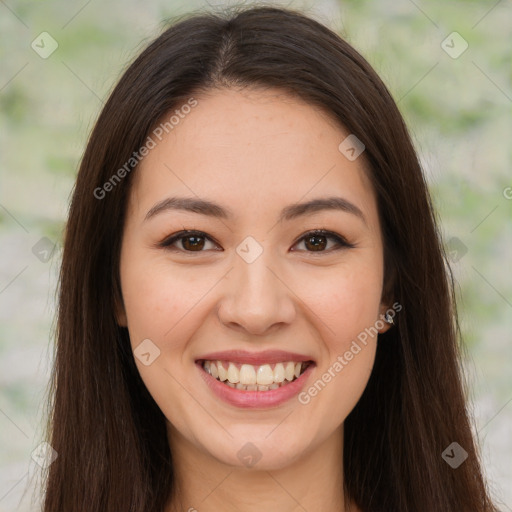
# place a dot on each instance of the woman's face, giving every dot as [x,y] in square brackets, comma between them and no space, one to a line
[251,287]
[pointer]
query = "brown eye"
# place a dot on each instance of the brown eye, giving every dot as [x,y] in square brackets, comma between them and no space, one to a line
[318,240]
[196,241]
[189,241]
[193,242]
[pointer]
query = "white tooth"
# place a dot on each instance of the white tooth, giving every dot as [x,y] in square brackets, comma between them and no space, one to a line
[233,374]
[247,374]
[274,386]
[231,385]
[279,372]
[289,371]
[262,388]
[213,370]
[239,386]
[298,366]
[265,375]
[252,387]
[206,366]
[223,374]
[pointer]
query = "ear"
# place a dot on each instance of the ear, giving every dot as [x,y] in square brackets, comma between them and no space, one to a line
[120,312]
[388,309]
[385,308]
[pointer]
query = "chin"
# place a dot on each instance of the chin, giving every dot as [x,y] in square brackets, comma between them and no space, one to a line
[258,451]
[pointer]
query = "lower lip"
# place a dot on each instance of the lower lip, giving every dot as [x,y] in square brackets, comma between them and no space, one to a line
[256,399]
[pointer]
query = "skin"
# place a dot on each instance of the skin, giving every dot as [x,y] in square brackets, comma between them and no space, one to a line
[253,151]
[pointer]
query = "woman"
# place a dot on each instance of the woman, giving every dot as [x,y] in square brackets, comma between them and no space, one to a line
[255,312]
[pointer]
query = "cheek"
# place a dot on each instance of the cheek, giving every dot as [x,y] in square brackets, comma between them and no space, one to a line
[347,301]
[347,307]
[163,307]
[157,300]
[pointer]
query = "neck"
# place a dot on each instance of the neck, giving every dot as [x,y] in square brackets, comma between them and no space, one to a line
[313,481]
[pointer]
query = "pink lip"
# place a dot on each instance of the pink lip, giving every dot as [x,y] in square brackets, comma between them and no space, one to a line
[255,399]
[255,358]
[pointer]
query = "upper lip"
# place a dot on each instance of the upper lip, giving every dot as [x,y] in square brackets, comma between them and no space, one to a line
[255,358]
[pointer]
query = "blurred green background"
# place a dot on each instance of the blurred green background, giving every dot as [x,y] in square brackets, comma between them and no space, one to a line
[457,103]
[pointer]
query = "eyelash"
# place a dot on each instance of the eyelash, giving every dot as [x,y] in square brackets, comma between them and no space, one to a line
[340,241]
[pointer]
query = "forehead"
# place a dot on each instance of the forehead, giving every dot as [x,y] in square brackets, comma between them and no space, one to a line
[252,149]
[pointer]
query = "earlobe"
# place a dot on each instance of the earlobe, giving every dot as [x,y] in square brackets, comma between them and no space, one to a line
[386,320]
[120,314]
[121,319]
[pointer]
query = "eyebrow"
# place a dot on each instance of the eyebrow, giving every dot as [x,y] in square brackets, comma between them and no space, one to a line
[290,212]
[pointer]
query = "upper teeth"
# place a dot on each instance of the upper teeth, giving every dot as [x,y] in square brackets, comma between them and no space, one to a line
[248,374]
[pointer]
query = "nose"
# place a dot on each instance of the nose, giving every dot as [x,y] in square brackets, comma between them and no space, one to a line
[256,298]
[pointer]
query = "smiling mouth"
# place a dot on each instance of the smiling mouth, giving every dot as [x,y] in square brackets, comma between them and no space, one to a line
[248,377]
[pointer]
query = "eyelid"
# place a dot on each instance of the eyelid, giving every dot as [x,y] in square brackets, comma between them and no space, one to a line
[340,240]
[167,242]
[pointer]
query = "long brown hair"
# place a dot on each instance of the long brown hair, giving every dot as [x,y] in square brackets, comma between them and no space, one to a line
[109,434]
